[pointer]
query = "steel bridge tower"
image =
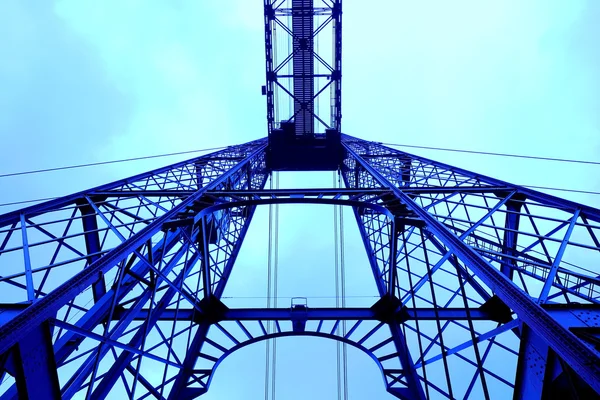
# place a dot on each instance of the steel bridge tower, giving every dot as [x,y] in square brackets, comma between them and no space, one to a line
[118,287]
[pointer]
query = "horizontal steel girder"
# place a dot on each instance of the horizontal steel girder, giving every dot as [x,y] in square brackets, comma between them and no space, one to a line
[314,314]
[303,192]
[565,315]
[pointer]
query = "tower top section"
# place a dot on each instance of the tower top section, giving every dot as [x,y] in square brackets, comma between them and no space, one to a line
[303,84]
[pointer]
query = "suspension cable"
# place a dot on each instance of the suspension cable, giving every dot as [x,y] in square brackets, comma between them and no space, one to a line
[488,153]
[272,291]
[37,171]
[340,293]
[269,268]
[271,297]
[343,281]
[337,289]
[275,285]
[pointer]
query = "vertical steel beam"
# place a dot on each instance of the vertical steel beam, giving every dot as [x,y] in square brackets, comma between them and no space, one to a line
[27,261]
[92,243]
[393,261]
[206,273]
[36,374]
[531,369]
[511,234]
[336,75]
[269,16]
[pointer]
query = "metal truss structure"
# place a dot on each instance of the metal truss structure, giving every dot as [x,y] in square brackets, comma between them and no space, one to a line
[303,123]
[486,289]
[295,74]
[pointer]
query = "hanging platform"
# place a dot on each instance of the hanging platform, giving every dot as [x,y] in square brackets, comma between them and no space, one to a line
[288,151]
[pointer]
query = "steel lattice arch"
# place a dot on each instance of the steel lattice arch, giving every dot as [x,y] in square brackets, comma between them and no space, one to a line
[102,287]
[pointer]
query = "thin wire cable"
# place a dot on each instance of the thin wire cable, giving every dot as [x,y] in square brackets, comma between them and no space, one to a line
[27,201]
[275,284]
[269,267]
[337,291]
[487,153]
[222,147]
[343,281]
[37,171]
[562,190]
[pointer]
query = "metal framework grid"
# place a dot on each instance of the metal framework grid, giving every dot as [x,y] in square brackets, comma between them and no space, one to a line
[487,289]
[109,284]
[294,75]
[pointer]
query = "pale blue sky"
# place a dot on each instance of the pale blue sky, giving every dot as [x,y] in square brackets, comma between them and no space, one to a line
[88,81]
[85,81]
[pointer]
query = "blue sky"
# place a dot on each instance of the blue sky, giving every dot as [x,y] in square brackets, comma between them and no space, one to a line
[85,81]
[88,81]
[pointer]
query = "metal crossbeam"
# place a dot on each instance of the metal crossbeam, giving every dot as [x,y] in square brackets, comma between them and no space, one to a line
[317,314]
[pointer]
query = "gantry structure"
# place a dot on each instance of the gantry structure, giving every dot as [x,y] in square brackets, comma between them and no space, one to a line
[486,289]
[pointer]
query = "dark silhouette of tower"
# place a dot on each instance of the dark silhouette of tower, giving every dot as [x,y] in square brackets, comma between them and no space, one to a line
[121,285]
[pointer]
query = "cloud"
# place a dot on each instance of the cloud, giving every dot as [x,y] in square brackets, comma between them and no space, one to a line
[499,76]
[57,104]
[183,73]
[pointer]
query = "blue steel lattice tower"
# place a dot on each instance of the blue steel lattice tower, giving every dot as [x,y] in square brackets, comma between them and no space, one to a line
[103,286]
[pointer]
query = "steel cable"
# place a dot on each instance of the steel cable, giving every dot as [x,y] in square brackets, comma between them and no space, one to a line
[37,171]
[337,290]
[488,153]
[275,285]
[343,281]
[269,268]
